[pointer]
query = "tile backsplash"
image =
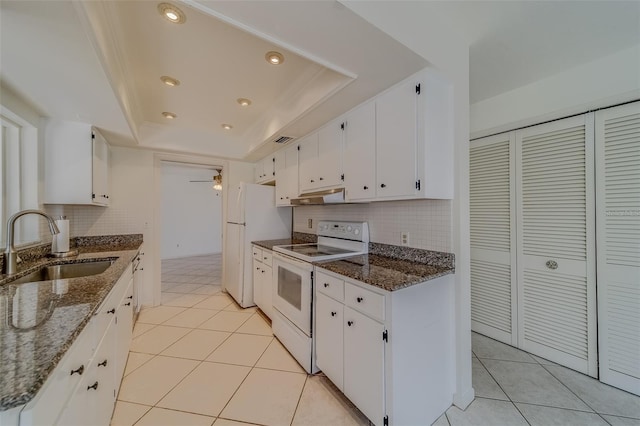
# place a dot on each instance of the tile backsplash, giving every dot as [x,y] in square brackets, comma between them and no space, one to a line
[428,222]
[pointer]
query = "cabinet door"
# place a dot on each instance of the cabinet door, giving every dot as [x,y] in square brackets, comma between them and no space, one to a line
[556,242]
[329,166]
[307,161]
[124,328]
[617,140]
[396,133]
[103,397]
[258,273]
[267,288]
[100,171]
[364,364]
[360,153]
[493,237]
[280,163]
[329,338]
[269,167]
[258,172]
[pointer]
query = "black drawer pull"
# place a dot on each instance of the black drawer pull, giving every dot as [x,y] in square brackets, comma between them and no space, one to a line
[111,311]
[93,386]
[349,323]
[127,304]
[359,299]
[79,370]
[382,185]
[321,178]
[103,363]
[130,297]
[326,285]
[365,187]
[334,313]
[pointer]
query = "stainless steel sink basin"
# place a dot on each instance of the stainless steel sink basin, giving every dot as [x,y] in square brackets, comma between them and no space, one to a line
[68,270]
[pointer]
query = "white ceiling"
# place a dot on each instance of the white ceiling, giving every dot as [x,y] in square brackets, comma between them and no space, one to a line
[100,62]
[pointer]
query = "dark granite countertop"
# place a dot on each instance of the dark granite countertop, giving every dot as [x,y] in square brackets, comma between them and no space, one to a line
[42,319]
[387,273]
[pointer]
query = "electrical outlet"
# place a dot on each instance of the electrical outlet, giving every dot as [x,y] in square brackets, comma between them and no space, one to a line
[404,238]
[310,223]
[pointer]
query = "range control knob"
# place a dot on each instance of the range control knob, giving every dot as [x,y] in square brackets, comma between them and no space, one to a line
[349,228]
[356,231]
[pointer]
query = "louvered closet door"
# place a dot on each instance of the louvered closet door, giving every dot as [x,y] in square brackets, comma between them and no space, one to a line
[492,209]
[617,135]
[556,250]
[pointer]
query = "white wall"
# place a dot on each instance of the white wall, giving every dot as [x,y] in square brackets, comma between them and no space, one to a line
[427,221]
[191,212]
[604,82]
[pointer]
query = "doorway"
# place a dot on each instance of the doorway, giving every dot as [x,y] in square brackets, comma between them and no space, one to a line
[191,229]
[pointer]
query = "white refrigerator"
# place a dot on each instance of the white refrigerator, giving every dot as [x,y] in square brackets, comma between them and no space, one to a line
[252,215]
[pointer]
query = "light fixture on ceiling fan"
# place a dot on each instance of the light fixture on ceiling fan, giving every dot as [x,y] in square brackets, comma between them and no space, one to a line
[217,179]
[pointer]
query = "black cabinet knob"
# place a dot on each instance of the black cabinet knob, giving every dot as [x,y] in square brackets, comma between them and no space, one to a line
[79,370]
[103,363]
[326,285]
[130,297]
[334,313]
[111,311]
[349,323]
[312,180]
[127,304]
[382,185]
[365,187]
[263,271]
[321,178]
[359,299]
[93,386]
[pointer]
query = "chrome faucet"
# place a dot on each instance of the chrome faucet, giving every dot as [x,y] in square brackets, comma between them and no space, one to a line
[10,253]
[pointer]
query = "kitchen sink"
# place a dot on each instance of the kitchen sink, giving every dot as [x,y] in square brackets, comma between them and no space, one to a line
[67,270]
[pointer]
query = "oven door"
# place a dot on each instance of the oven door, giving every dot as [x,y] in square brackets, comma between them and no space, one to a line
[292,290]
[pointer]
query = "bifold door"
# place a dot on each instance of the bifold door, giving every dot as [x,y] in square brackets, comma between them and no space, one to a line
[493,262]
[618,215]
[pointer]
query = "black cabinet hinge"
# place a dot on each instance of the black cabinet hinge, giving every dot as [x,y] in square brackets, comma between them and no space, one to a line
[93,135]
[418,184]
[93,196]
[385,336]
[298,147]
[273,159]
[342,126]
[342,177]
[418,88]
[385,421]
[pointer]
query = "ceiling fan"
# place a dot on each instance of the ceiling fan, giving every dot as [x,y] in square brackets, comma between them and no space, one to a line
[216,179]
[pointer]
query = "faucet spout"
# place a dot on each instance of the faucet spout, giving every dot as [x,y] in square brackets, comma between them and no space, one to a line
[10,253]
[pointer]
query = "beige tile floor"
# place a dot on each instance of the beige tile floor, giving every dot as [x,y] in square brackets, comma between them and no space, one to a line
[199,359]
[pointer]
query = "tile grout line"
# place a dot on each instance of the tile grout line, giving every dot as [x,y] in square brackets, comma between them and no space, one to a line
[503,391]
[306,379]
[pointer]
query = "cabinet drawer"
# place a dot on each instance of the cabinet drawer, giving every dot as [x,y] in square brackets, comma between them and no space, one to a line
[331,286]
[257,253]
[365,301]
[267,257]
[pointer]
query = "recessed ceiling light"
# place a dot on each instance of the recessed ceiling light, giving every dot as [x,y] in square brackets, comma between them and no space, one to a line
[244,102]
[169,115]
[171,13]
[170,81]
[274,58]
[227,126]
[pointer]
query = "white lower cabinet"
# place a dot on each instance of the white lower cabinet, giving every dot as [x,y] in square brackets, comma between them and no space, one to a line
[390,353]
[262,280]
[82,389]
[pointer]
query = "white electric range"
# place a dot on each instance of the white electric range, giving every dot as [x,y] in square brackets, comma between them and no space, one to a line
[292,320]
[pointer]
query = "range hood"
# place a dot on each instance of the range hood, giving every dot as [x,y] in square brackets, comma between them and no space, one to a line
[330,196]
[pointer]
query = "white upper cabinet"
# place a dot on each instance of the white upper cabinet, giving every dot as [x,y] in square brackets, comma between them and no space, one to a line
[76,164]
[396,128]
[265,169]
[287,178]
[307,162]
[360,153]
[396,146]
[329,163]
